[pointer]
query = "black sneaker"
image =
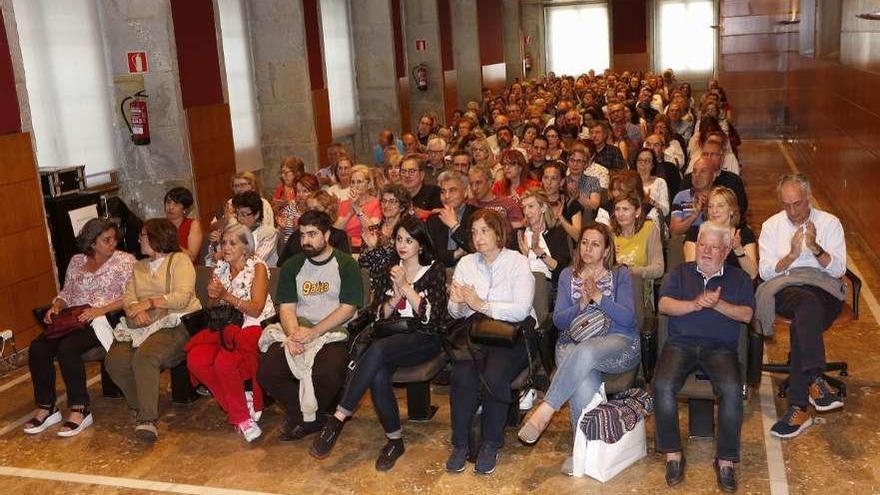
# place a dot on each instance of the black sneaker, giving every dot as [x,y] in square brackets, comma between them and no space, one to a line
[792,423]
[388,455]
[297,431]
[457,460]
[726,477]
[822,397]
[675,471]
[324,443]
[487,459]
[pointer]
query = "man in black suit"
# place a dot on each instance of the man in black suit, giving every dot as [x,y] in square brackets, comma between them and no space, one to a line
[450,228]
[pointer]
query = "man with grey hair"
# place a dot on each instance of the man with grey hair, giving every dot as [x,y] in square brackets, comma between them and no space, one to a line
[450,228]
[436,160]
[705,302]
[806,245]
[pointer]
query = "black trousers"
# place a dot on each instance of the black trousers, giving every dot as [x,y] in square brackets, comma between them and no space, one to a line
[376,367]
[500,366]
[812,311]
[328,377]
[68,350]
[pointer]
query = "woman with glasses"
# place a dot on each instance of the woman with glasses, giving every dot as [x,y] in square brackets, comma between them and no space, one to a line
[555,147]
[361,209]
[319,200]
[285,194]
[289,216]
[251,216]
[515,180]
[655,188]
[378,239]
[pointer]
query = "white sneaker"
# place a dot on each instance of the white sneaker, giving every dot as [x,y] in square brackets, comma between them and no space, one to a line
[249,430]
[527,399]
[255,415]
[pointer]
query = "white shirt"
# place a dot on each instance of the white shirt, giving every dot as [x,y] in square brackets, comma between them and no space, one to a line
[507,285]
[340,192]
[674,153]
[659,192]
[775,243]
[535,264]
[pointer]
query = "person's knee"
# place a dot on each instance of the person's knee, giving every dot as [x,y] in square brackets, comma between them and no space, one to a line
[226,362]
[38,350]
[728,389]
[146,361]
[664,387]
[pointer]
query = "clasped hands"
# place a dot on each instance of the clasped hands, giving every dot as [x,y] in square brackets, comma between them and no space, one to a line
[708,299]
[138,312]
[465,294]
[804,235]
[298,338]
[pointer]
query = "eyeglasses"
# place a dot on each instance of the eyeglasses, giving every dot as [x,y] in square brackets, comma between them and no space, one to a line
[360,182]
[409,171]
[242,213]
[712,154]
[390,201]
[509,164]
[576,160]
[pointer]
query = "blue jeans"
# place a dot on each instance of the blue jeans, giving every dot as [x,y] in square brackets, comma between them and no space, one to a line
[580,367]
[676,362]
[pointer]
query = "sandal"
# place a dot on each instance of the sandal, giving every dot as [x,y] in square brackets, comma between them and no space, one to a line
[34,425]
[74,429]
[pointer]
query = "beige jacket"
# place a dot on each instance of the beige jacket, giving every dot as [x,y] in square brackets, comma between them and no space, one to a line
[182,296]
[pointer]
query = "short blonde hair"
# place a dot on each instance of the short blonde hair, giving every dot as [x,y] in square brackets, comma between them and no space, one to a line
[252,179]
[550,219]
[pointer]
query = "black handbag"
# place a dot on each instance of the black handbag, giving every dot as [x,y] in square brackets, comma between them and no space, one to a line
[487,331]
[392,326]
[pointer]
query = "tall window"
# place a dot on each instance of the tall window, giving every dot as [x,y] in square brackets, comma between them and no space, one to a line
[339,64]
[68,85]
[685,40]
[577,38]
[240,84]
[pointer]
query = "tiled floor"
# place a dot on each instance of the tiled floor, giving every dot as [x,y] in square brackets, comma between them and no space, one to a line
[198,452]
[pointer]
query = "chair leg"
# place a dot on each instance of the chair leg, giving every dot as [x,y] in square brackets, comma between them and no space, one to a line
[181,387]
[108,388]
[418,402]
[701,418]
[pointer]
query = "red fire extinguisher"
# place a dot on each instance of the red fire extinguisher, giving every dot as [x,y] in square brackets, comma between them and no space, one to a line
[420,74]
[139,124]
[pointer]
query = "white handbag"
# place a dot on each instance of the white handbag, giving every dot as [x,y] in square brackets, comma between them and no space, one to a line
[603,461]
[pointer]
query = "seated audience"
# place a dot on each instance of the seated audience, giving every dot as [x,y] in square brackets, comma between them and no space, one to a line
[150,337]
[689,204]
[803,257]
[223,360]
[655,189]
[284,197]
[607,155]
[592,289]
[516,179]
[248,213]
[413,288]
[449,229]
[425,197]
[379,239]
[566,207]
[324,202]
[178,205]
[480,179]
[543,240]
[305,184]
[722,209]
[497,283]
[97,278]
[386,140]
[589,185]
[636,238]
[304,362]
[712,155]
[361,209]
[435,161]
[342,175]
[706,304]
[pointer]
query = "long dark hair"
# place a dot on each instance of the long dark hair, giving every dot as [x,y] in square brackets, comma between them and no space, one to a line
[418,231]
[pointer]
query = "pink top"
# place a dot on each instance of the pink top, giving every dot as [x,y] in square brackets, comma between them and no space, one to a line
[372,209]
[100,288]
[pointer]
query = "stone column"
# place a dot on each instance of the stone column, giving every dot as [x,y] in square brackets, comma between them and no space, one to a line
[466,50]
[421,22]
[513,55]
[147,172]
[373,42]
[532,22]
[287,125]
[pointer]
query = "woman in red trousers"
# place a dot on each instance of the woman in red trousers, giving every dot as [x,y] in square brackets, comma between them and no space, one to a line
[241,280]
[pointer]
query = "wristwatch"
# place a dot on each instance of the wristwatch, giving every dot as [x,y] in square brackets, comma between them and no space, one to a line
[820,253]
[543,255]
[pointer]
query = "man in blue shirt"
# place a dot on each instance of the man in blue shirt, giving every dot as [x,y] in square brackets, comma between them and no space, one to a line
[706,302]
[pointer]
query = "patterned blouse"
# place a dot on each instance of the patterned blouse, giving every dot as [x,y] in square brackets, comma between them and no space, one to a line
[101,287]
[241,285]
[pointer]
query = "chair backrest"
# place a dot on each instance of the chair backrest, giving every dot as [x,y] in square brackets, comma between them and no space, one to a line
[674,252]
[541,302]
[203,277]
[638,286]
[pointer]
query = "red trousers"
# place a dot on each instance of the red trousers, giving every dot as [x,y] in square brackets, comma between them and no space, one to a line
[224,372]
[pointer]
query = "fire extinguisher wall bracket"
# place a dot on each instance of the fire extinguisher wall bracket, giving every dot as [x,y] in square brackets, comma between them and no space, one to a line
[139,124]
[420,76]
